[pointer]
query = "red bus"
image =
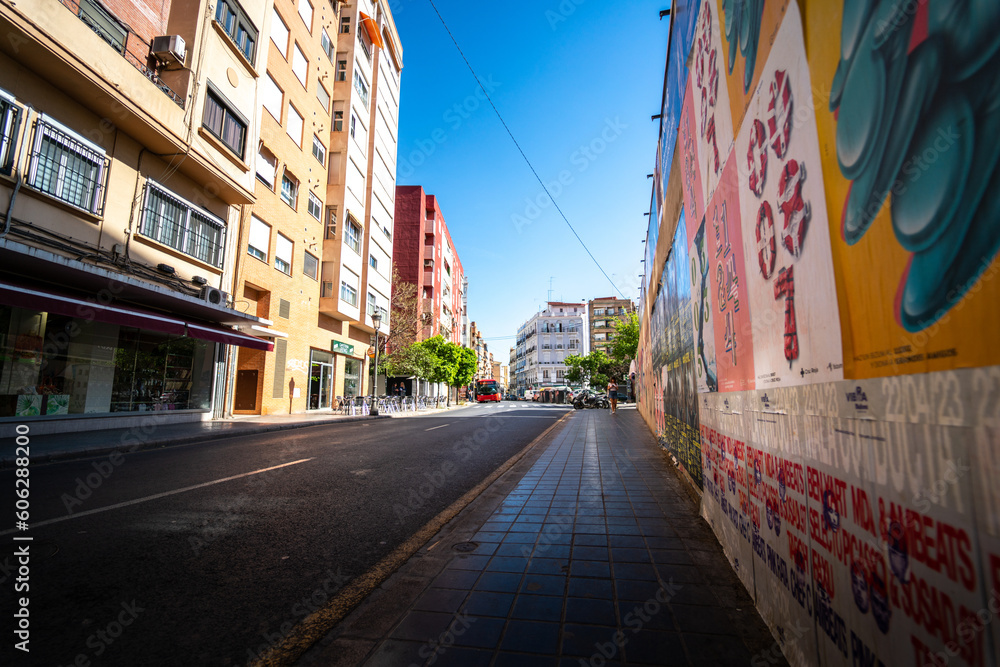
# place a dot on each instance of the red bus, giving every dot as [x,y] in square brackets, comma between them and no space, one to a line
[487,390]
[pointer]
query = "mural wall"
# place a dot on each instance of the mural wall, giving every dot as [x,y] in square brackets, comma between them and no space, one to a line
[818,349]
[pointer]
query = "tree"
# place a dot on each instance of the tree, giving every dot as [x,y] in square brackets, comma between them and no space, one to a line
[413,359]
[466,367]
[590,370]
[626,338]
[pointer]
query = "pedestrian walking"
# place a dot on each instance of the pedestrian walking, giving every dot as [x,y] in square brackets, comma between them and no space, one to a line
[613,395]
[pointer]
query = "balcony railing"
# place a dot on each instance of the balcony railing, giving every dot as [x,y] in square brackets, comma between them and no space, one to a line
[123,40]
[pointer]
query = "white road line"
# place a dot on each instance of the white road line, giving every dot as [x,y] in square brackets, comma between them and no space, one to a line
[157,495]
[435,427]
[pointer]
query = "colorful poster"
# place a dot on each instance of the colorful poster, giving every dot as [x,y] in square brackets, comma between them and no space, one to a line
[909,135]
[733,329]
[703,324]
[749,28]
[690,163]
[713,123]
[786,239]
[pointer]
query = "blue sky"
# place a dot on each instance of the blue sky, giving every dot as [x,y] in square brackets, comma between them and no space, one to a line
[576,82]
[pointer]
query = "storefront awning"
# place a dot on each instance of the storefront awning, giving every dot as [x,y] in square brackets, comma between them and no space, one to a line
[218,334]
[20,296]
[371,27]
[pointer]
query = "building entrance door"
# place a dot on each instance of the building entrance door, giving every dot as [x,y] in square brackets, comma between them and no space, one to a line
[320,385]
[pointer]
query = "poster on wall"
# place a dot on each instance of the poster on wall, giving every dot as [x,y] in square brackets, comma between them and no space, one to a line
[734,347]
[702,322]
[748,33]
[786,239]
[710,100]
[683,21]
[909,132]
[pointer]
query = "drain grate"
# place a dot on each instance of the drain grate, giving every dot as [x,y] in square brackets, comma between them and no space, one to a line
[465,547]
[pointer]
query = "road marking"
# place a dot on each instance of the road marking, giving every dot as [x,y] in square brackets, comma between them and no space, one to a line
[434,427]
[158,495]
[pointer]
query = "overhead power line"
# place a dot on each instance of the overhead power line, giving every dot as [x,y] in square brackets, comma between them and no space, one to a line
[520,150]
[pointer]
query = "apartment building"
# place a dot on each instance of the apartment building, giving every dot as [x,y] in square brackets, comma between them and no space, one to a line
[602,314]
[501,375]
[278,275]
[484,358]
[426,256]
[361,186]
[127,138]
[545,340]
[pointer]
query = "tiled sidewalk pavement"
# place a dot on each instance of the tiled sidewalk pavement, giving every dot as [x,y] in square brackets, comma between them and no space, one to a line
[595,556]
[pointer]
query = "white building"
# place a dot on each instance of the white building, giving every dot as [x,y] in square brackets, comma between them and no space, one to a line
[544,342]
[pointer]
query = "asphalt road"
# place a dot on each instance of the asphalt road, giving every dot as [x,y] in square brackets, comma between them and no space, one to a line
[213,575]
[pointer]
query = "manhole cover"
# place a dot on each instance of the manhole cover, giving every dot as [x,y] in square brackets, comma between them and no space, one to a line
[465,547]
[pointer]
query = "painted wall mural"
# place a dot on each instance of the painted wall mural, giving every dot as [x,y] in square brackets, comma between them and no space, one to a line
[819,355]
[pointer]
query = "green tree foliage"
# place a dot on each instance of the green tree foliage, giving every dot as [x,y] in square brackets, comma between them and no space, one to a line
[412,360]
[587,370]
[626,338]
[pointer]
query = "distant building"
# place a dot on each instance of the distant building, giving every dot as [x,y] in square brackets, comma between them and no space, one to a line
[602,314]
[424,255]
[544,342]
[501,375]
[484,358]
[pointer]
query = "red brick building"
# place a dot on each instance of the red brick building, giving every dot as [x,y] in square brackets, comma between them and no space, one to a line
[423,253]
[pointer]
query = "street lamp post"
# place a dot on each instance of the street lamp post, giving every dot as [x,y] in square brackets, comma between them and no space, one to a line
[377,321]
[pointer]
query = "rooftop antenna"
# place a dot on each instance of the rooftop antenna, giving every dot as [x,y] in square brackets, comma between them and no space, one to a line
[551,278]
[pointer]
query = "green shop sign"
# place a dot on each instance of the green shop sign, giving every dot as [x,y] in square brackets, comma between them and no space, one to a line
[342,348]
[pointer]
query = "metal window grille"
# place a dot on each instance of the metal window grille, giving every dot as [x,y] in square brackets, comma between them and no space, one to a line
[170,220]
[284,308]
[67,168]
[10,122]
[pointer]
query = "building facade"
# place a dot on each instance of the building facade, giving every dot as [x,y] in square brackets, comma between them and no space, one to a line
[484,358]
[279,269]
[544,342]
[602,314]
[426,256]
[361,186]
[125,162]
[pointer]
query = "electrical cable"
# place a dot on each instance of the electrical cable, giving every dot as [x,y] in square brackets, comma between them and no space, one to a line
[520,150]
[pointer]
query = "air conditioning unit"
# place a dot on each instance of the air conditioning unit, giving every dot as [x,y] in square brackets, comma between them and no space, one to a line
[169,48]
[214,296]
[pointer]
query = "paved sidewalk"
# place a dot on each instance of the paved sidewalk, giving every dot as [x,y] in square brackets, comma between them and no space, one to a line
[589,551]
[152,434]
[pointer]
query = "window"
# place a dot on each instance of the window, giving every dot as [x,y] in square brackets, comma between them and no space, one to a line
[306,12]
[300,66]
[373,262]
[348,293]
[319,150]
[372,303]
[10,121]
[260,238]
[279,34]
[341,70]
[224,123]
[345,24]
[104,24]
[315,206]
[388,234]
[365,44]
[331,223]
[67,166]
[310,265]
[353,123]
[239,28]
[338,121]
[294,125]
[361,86]
[323,96]
[283,254]
[177,223]
[267,165]
[352,235]
[327,44]
[289,189]
[273,97]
